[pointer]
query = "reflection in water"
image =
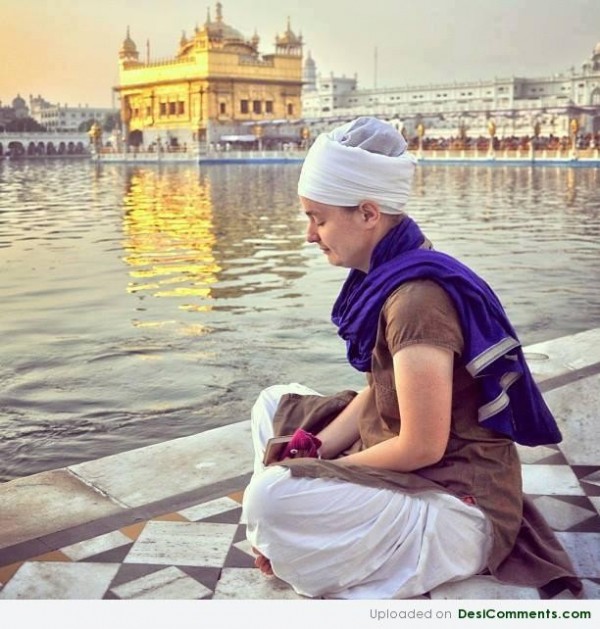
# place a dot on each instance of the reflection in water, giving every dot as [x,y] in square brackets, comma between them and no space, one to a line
[208,239]
[259,229]
[169,236]
[533,233]
[142,304]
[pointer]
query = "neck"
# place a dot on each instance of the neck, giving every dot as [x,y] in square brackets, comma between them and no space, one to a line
[388,223]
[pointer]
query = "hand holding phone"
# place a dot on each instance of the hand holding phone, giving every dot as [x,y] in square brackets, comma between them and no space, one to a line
[300,444]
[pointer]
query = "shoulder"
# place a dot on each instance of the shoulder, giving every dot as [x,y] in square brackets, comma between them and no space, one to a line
[421,311]
[418,295]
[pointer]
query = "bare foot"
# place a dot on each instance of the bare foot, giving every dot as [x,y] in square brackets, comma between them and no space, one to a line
[262,563]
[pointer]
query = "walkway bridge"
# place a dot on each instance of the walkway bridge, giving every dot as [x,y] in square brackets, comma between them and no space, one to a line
[44,144]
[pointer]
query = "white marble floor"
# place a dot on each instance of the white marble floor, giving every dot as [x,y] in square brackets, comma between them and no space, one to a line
[199,550]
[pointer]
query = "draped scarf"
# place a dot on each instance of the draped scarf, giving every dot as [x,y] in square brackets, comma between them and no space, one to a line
[510,401]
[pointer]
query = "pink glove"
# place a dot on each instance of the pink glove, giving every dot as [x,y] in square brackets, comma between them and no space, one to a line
[302,444]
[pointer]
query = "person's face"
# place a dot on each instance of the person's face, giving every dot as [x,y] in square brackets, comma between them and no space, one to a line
[344,235]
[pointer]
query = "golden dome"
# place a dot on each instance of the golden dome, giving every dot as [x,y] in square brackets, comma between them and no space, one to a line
[128,48]
[289,38]
[219,30]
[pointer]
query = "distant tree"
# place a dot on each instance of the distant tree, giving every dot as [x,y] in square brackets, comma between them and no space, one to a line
[111,122]
[24,125]
[86,125]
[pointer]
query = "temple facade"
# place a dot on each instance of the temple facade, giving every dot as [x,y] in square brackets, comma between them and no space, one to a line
[218,88]
[516,106]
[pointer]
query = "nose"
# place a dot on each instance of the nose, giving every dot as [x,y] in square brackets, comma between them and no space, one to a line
[311,233]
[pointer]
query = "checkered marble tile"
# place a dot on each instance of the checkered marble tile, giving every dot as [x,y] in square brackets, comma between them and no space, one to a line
[182,543]
[178,555]
[201,551]
[170,583]
[565,513]
[96,546]
[241,583]
[482,587]
[584,550]
[60,580]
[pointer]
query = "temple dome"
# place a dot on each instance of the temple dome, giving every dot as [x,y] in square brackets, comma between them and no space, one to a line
[220,29]
[289,38]
[18,102]
[224,31]
[128,48]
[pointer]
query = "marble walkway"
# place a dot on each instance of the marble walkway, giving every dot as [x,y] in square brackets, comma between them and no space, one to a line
[162,522]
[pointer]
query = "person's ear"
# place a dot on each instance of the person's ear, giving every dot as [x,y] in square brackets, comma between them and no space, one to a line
[370,212]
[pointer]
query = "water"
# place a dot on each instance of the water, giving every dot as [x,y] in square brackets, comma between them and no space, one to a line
[141,304]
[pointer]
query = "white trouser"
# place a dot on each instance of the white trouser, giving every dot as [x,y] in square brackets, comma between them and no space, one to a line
[334,539]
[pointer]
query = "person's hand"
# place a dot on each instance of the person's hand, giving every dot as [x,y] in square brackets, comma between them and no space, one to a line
[302,444]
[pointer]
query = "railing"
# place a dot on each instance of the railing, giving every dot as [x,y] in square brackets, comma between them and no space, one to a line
[293,153]
[44,135]
[179,154]
[241,156]
[107,150]
[510,154]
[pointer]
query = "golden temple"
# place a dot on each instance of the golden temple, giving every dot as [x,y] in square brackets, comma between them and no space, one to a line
[217,88]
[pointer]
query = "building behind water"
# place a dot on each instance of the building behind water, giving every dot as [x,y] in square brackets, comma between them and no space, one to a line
[519,106]
[218,88]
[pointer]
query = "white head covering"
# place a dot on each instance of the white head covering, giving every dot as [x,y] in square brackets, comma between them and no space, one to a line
[363,159]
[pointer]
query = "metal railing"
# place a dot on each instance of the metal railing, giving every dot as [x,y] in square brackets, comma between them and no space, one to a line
[510,154]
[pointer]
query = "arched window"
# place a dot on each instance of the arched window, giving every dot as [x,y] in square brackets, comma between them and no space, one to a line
[595,98]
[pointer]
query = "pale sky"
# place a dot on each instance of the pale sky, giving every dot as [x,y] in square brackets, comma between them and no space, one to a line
[67,50]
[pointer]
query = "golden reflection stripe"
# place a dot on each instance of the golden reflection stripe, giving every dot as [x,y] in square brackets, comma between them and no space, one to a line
[169,236]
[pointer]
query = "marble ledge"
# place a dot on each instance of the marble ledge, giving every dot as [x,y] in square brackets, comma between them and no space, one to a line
[560,356]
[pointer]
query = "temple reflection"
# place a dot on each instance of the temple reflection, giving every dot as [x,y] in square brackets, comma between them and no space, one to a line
[212,239]
[169,236]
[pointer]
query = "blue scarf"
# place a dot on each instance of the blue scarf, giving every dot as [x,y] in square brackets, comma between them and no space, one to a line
[511,403]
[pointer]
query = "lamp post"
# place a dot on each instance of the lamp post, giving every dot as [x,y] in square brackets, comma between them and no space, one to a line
[95,134]
[305,134]
[574,129]
[258,134]
[126,117]
[462,132]
[420,135]
[492,132]
[201,130]
[535,141]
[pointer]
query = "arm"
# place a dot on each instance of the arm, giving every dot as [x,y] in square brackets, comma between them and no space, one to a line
[423,380]
[343,431]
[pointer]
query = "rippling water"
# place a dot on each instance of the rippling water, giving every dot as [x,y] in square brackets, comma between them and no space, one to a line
[143,304]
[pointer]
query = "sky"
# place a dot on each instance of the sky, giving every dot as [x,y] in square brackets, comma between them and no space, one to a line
[67,50]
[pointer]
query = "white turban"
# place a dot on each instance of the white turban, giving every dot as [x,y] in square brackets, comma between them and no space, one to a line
[363,159]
